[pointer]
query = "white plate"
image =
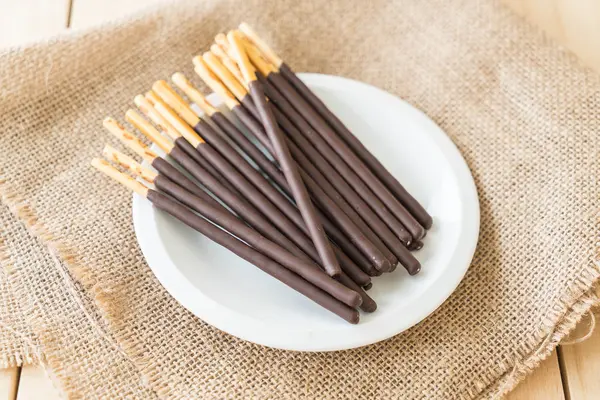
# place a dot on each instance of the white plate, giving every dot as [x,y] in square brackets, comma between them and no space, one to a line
[236,297]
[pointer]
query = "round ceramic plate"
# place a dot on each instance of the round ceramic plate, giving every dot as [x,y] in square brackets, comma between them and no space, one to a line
[236,297]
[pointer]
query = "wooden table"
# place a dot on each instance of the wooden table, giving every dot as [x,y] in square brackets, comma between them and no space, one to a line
[571,372]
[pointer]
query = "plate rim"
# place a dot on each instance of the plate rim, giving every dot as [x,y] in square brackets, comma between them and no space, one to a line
[221,317]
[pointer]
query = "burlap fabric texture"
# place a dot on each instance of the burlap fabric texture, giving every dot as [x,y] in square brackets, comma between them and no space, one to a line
[520,109]
[62,324]
[17,342]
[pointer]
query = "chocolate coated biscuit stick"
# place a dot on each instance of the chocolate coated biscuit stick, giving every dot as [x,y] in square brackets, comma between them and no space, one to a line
[203,128]
[228,241]
[307,109]
[284,157]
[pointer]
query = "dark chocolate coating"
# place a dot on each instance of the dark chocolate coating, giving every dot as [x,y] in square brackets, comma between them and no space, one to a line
[260,183]
[342,205]
[247,209]
[249,191]
[234,159]
[167,170]
[416,245]
[361,236]
[251,150]
[271,170]
[335,166]
[411,264]
[351,159]
[404,257]
[219,216]
[254,257]
[352,141]
[292,175]
[244,209]
[327,160]
[282,203]
[183,144]
[345,246]
[368,304]
[319,195]
[356,235]
[317,159]
[306,168]
[287,226]
[253,123]
[391,240]
[249,106]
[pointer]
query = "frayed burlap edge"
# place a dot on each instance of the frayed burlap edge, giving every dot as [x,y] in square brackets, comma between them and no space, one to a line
[62,253]
[29,353]
[559,323]
[586,296]
[523,367]
[583,296]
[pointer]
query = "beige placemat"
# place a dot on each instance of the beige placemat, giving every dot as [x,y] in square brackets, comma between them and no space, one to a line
[65,333]
[521,110]
[18,344]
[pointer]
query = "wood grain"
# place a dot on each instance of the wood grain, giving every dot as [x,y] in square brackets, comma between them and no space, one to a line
[581,365]
[573,23]
[36,385]
[23,21]
[544,384]
[9,382]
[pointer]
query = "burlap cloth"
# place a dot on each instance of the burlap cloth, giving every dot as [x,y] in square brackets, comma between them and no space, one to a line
[521,110]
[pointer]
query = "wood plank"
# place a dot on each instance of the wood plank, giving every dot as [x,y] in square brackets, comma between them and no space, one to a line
[25,21]
[9,382]
[543,384]
[14,384]
[581,365]
[36,385]
[581,22]
[573,23]
[90,12]
[22,22]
